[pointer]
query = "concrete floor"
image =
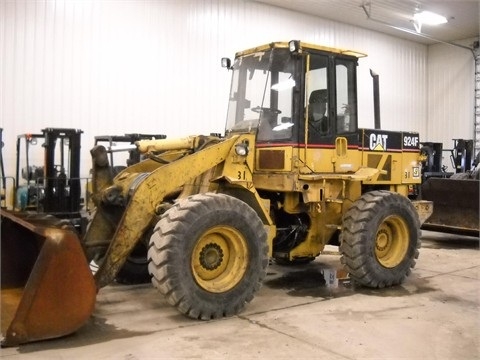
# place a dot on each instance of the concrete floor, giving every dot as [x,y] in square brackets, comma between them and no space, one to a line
[297,315]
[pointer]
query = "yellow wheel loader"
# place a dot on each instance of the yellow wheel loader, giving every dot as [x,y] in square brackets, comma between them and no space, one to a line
[292,174]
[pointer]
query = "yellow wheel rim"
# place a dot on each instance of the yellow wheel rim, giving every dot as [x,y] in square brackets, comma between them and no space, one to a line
[219,259]
[391,243]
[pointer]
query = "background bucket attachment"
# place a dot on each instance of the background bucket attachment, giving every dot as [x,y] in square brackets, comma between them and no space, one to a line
[48,289]
[455,205]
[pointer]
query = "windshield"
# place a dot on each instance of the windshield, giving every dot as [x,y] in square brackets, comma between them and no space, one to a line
[261,95]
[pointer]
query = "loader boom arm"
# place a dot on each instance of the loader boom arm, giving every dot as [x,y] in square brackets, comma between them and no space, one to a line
[145,198]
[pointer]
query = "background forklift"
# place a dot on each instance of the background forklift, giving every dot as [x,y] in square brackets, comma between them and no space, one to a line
[455,193]
[53,187]
[3,178]
[135,268]
[119,144]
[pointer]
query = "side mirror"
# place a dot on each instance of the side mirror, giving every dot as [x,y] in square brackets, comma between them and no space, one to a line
[226,63]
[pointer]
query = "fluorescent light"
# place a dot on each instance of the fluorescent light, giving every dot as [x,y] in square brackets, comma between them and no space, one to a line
[429,18]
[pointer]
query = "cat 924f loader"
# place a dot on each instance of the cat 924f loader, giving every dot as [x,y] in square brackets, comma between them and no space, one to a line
[292,174]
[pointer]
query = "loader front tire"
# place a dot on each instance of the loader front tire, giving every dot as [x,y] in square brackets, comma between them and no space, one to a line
[208,255]
[380,239]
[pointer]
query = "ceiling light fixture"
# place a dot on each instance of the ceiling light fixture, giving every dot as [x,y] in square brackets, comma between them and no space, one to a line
[427,18]
[367,9]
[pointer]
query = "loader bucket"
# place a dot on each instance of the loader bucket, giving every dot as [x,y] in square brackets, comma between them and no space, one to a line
[47,287]
[455,205]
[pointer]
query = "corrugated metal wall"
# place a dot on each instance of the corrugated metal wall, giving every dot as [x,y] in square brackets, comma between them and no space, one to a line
[111,67]
[451,94]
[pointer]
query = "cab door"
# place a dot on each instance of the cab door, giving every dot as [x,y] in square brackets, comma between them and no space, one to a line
[330,114]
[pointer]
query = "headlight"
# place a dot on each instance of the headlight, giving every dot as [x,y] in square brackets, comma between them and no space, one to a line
[241,149]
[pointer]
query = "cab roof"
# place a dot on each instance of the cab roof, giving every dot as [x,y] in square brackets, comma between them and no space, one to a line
[302,46]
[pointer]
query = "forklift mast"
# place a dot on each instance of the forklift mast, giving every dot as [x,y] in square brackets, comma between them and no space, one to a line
[461,158]
[3,189]
[111,141]
[462,155]
[53,188]
[62,188]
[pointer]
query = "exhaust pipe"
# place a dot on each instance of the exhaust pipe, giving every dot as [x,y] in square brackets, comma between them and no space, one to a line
[376,98]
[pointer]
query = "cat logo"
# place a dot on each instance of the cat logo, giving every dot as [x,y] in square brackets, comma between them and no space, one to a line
[378,142]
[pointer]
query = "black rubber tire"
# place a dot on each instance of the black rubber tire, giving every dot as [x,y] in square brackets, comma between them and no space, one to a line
[209,255]
[135,268]
[380,239]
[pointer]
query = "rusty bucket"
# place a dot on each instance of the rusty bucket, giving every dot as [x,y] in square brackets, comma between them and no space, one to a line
[47,288]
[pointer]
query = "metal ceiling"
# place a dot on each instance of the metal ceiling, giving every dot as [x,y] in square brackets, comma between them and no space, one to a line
[395,17]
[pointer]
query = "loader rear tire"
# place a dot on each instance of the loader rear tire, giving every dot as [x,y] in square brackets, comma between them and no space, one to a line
[208,255]
[380,239]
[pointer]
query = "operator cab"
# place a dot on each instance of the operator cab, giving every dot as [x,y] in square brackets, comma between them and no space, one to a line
[294,93]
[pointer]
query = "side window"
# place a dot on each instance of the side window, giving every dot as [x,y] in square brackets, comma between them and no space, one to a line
[284,90]
[275,112]
[316,98]
[346,107]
